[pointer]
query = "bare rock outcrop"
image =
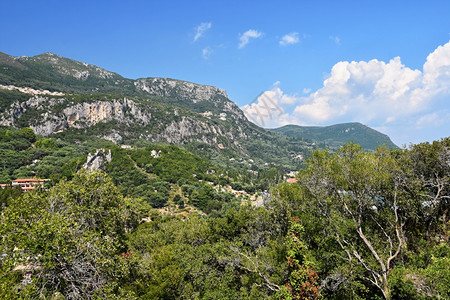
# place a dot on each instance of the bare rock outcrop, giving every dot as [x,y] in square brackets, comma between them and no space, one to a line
[96,160]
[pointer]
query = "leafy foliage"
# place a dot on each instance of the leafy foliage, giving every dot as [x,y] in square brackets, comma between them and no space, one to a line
[357,225]
[69,239]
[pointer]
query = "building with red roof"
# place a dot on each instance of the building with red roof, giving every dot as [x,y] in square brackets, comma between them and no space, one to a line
[26,184]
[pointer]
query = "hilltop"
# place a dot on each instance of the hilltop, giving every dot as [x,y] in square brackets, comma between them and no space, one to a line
[336,135]
[64,98]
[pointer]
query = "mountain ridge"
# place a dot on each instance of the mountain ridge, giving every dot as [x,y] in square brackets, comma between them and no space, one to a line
[339,134]
[100,103]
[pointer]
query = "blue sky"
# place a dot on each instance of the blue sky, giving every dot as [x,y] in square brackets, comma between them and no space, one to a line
[383,63]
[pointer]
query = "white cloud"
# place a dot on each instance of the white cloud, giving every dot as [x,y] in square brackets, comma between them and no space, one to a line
[246,36]
[201,29]
[267,110]
[289,39]
[437,70]
[335,39]
[371,91]
[206,52]
[380,94]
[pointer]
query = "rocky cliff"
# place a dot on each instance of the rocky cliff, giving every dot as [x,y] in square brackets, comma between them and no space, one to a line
[69,99]
[119,119]
[183,90]
[51,115]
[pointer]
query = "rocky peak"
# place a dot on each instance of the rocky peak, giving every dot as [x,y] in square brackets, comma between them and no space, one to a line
[183,90]
[207,100]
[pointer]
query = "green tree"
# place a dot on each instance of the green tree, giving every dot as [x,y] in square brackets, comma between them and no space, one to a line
[303,280]
[28,134]
[8,194]
[45,143]
[363,200]
[431,168]
[69,238]
[201,198]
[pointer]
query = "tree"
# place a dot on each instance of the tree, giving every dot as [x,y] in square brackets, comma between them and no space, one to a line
[303,280]
[200,198]
[431,167]
[45,143]
[363,202]
[70,238]
[8,194]
[28,134]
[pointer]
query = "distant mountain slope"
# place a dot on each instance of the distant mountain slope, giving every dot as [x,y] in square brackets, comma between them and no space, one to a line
[339,134]
[55,73]
[52,72]
[87,101]
[92,101]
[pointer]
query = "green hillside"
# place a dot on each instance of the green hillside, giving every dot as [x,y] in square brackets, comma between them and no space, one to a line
[52,72]
[336,135]
[162,189]
[102,104]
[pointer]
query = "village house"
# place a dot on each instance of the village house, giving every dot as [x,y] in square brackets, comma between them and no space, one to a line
[26,184]
[291,180]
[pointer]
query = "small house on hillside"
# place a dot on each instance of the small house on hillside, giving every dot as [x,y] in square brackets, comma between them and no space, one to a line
[291,180]
[26,184]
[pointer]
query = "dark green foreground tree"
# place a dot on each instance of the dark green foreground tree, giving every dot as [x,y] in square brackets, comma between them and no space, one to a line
[67,241]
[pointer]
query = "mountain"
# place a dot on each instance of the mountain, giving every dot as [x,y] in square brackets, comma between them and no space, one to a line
[339,134]
[52,72]
[63,98]
[60,97]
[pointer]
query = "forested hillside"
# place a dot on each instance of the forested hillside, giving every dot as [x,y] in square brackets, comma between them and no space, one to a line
[335,136]
[357,225]
[162,189]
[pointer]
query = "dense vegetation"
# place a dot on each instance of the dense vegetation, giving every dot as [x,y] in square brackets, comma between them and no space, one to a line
[23,154]
[357,225]
[158,216]
[337,135]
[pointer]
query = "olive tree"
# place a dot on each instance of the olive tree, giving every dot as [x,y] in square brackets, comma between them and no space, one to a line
[363,201]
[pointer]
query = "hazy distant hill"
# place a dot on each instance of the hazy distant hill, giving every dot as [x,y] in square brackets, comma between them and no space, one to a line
[339,134]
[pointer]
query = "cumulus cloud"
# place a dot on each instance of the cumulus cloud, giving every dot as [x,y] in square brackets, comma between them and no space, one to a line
[201,29]
[437,70]
[267,109]
[289,39]
[246,36]
[376,90]
[380,94]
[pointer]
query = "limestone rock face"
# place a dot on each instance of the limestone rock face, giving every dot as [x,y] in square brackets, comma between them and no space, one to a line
[166,110]
[74,115]
[165,87]
[98,111]
[97,160]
